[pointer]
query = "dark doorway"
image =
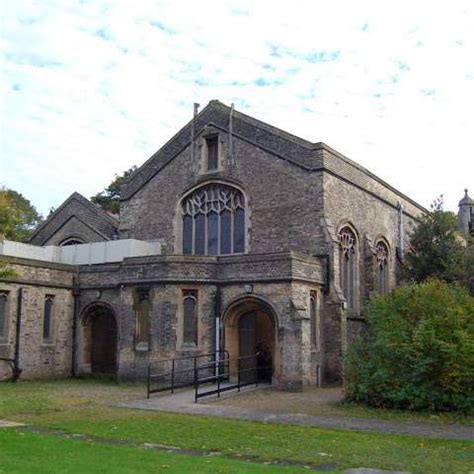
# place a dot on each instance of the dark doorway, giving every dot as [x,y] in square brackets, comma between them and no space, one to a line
[256,334]
[100,340]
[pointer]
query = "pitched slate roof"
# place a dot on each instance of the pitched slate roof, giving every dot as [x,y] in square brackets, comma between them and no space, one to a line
[78,206]
[281,144]
[274,140]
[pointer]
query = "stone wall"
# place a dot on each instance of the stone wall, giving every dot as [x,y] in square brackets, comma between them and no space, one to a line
[165,277]
[34,281]
[284,201]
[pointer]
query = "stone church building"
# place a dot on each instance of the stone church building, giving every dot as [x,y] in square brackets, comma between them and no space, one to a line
[234,235]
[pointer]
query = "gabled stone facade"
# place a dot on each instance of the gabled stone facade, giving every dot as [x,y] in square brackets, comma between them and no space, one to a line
[76,220]
[268,241]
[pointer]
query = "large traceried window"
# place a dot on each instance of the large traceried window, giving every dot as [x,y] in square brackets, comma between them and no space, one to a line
[214,221]
[382,259]
[347,264]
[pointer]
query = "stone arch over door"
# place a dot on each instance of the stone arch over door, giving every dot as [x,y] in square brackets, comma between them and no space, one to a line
[98,340]
[250,325]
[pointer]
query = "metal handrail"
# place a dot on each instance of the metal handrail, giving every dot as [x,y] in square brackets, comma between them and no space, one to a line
[173,372]
[226,375]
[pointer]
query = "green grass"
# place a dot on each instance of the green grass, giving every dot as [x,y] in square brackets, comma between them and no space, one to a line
[83,407]
[359,411]
[22,452]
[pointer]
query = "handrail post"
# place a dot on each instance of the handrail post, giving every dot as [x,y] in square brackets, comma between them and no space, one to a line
[172,376]
[148,382]
[218,386]
[195,382]
[256,370]
[238,375]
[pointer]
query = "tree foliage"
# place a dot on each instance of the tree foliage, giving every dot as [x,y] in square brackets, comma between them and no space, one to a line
[436,248]
[419,354]
[109,198]
[18,217]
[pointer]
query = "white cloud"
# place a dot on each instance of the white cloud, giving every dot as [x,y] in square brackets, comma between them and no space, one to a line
[90,88]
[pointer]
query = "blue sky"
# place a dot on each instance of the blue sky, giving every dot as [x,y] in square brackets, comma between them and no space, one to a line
[90,88]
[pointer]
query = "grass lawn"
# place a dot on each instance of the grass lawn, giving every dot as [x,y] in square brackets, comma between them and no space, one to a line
[80,406]
[309,402]
[22,452]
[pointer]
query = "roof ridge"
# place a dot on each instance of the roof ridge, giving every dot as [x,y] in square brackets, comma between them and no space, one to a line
[267,126]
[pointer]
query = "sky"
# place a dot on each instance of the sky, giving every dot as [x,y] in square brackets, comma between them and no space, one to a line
[90,88]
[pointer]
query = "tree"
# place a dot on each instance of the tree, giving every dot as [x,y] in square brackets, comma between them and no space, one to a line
[419,354]
[18,217]
[436,248]
[109,198]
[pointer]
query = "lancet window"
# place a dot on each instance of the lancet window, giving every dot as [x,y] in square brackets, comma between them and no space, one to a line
[382,262]
[142,305]
[347,264]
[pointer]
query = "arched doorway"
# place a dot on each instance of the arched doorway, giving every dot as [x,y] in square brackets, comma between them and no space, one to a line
[250,329]
[99,340]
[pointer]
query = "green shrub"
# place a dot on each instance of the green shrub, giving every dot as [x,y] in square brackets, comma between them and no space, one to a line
[419,352]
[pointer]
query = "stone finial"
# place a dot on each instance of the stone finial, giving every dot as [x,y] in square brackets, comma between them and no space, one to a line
[466,200]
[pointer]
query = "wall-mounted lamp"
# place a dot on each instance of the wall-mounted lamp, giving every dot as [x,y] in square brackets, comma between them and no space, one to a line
[344,305]
[248,288]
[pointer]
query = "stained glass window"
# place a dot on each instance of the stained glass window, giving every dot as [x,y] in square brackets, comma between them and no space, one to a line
[214,221]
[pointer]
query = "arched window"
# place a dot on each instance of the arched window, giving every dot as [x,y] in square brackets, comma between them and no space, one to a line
[382,261]
[3,315]
[214,221]
[190,322]
[142,318]
[48,319]
[314,319]
[347,264]
[71,241]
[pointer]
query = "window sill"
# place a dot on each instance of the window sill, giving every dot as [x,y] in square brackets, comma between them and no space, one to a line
[48,344]
[188,348]
[355,317]
[213,171]
[142,347]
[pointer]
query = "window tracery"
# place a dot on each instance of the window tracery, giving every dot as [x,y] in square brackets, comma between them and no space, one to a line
[214,221]
[347,257]
[382,262]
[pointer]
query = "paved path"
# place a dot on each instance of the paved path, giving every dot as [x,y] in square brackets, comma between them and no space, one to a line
[183,402]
